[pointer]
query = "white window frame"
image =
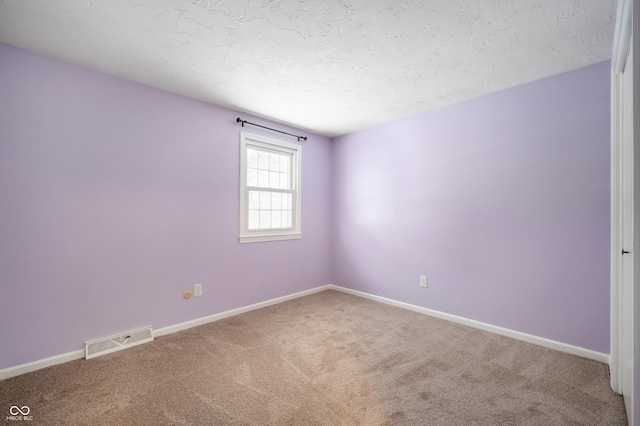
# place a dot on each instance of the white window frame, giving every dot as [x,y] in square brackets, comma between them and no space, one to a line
[248,140]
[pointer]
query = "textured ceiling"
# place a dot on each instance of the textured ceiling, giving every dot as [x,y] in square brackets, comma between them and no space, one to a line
[331,66]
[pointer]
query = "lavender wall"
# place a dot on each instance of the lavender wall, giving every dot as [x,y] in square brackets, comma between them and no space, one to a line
[117,197]
[503,201]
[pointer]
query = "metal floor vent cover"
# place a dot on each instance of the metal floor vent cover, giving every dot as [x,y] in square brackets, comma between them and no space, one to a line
[118,342]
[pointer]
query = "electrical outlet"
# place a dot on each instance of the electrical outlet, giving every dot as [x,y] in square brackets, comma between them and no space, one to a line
[197,290]
[423,281]
[187,294]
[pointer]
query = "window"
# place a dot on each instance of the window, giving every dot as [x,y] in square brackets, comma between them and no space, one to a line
[269,189]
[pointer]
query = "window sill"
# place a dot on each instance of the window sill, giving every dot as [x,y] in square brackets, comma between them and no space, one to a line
[263,238]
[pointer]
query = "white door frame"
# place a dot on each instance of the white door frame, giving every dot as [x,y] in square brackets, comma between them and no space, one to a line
[615,357]
[622,39]
[619,182]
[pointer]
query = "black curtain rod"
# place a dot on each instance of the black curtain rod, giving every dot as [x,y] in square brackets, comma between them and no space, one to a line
[240,120]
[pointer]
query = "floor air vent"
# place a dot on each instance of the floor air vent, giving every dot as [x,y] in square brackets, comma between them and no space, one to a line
[118,342]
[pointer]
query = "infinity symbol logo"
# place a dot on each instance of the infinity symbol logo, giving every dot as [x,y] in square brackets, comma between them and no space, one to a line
[14,410]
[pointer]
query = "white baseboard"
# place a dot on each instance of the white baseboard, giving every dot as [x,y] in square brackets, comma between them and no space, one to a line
[540,341]
[6,373]
[79,354]
[233,312]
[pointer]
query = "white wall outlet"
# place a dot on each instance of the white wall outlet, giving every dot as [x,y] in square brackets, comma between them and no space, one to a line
[423,281]
[197,290]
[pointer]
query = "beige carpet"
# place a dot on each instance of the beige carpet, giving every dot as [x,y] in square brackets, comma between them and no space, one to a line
[325,359]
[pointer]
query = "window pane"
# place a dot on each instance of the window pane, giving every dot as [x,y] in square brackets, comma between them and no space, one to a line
[263,178]
[252,158]
[284,181]
[274,180]
[252,177]
[286,201]
[254,200]
[276,200]
[285,163]
[265,219]
[276,219]
[286,219]
[254,219]
[263,160]
[265,201]
[274,162]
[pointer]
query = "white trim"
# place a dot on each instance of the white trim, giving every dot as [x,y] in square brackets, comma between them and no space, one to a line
[615,359]
[541,341]
[622,40]
[28,367]
[237,311]
[529,338]
[269,144]
[278,237]
[17,370]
